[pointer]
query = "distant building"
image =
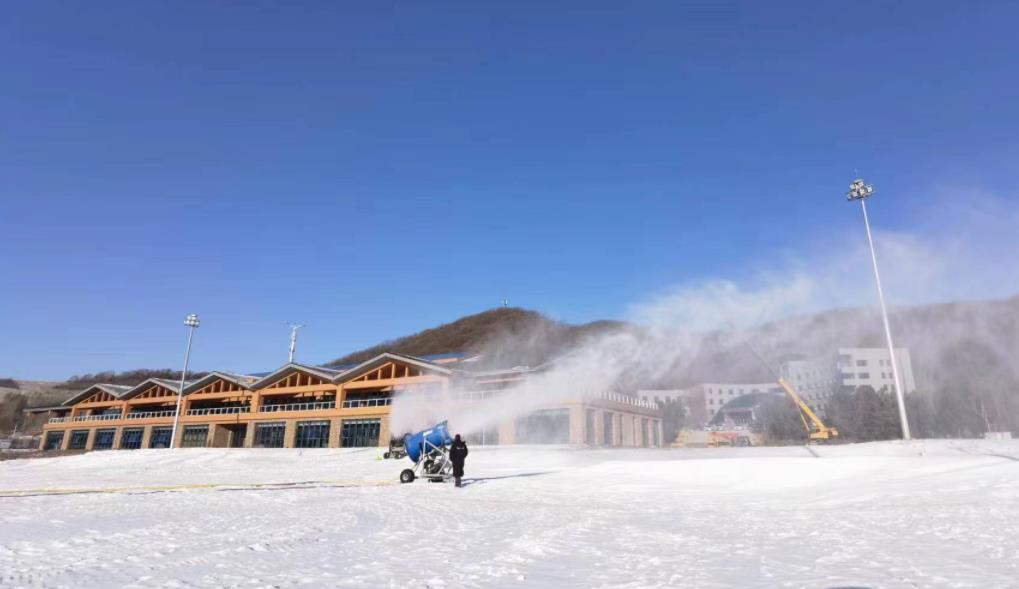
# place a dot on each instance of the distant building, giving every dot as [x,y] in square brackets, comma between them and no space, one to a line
[703,401]
[815,381]
[873,367]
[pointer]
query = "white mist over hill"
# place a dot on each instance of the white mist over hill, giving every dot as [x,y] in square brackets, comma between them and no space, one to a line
[960,249]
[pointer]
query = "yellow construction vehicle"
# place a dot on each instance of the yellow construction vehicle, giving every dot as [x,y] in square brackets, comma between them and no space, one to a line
[816,430]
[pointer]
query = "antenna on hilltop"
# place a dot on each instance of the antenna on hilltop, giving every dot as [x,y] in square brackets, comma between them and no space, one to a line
[293,338]
[505,303]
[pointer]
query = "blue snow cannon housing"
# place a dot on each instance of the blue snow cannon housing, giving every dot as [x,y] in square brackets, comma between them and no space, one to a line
[437,436]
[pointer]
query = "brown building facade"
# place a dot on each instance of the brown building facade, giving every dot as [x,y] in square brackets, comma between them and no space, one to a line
[316,407]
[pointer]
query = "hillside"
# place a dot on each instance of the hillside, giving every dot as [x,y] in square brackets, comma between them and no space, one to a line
[963,352]
[506,336]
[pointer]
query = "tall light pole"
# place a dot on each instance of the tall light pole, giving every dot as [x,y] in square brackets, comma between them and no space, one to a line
[192,322]
[860,191]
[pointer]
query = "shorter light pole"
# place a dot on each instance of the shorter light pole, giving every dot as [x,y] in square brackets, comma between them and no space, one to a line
[860,191]
[293,339]
[192,322]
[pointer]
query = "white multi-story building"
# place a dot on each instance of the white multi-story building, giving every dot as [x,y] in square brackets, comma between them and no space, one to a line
[704,400]
[873,367]
[815,381]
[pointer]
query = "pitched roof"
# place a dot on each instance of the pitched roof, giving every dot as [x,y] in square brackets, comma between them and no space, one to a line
[386,357]
[166,383]
[116,390]
[319,371]
[244,381]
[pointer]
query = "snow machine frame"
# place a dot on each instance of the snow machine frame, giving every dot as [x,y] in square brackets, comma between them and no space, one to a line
[433,464]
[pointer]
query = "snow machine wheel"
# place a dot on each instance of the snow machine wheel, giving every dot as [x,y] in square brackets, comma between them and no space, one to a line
[407,476]
[386,456]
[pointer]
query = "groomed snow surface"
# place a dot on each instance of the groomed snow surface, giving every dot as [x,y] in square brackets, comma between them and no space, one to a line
[919,514]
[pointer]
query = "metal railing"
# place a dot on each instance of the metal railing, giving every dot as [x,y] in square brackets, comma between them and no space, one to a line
[375,402]
[218,410]
[627,400]
[103,417]
[297,407]
[150,414]
[59,420]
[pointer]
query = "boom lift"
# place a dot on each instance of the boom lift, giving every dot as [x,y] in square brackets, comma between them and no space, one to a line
[816,430]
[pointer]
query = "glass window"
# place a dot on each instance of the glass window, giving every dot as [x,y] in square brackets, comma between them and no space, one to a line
[863,375]
[131,438]
[79,439]
[104,439]
[53,440]
[360,433]
[608,436]
[195,436]
[643,432]
[160,437]
[861,362]
[270,435]
[589,427]
[312,434]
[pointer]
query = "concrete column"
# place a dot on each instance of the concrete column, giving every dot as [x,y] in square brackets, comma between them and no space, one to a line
[117,432]
[577,424]
[91,439]
[146,436]
[384,431]
[599,428]
[249,435]
[290,433]
[219,436]
[335,426]
[66,443]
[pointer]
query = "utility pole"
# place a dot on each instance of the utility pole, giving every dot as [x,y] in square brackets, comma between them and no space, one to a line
[192,322]
[293,339]
[860,191]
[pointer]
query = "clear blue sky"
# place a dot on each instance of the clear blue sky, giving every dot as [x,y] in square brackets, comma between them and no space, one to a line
[378,168]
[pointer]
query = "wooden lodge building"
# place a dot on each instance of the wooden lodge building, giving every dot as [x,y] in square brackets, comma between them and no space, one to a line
[300,406]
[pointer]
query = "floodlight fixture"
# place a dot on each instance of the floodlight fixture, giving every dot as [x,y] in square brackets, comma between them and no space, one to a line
[859,191]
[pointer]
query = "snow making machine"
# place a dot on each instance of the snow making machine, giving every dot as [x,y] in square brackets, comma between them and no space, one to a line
[429,452]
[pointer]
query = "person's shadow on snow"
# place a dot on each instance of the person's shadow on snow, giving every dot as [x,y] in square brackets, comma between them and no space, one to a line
[468,482]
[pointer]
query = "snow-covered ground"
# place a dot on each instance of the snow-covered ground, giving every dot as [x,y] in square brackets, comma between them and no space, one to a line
[921,514]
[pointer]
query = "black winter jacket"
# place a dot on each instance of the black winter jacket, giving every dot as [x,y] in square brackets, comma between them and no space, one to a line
[458,452]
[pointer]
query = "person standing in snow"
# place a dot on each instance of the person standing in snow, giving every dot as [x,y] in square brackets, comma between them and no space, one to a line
[457,455]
